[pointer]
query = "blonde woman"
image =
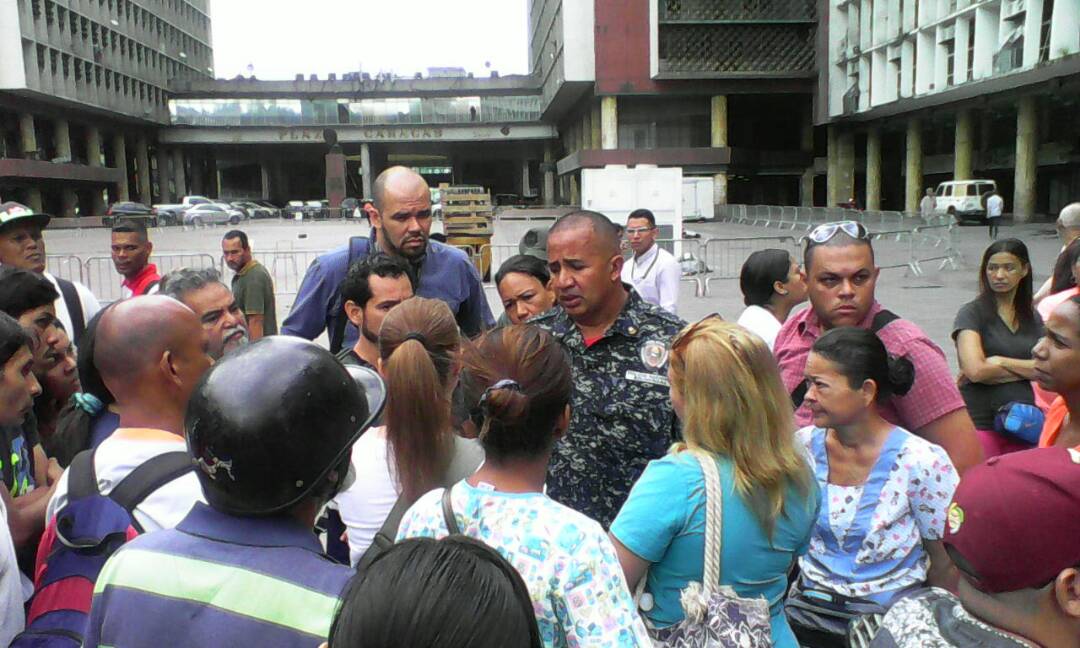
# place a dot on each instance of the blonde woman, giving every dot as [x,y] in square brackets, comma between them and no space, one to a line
[727,392]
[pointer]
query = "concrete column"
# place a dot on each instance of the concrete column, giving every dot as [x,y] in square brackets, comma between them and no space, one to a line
[596,140]
[69,201]
[33,199]
[93,146]
[162,177]
[831,181]
[806,144]
[549,174]
[963,146]
[120,159]
[28,137]
[806,188]
[142,160]
[264,177]
[335,177]
[62,139]
[873,168]
[1027,148]
[719,139]
[365,170]
[179,179]
[575,193]
[609,123]
[913,166]
[586,130]
[198,175]
[525,182]
[845,169]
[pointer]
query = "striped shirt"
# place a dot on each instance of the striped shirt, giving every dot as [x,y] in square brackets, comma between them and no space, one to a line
[218,580]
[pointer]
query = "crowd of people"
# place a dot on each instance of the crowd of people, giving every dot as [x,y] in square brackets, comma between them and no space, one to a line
[586,470]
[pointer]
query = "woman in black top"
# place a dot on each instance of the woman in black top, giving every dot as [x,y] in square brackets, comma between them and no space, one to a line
[994,336]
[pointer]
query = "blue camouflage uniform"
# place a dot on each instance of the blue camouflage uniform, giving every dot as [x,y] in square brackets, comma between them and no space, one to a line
[446,274]
[621,414]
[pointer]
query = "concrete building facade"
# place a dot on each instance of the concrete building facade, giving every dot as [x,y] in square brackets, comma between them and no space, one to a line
[721,89]
[916,92]
[83,92]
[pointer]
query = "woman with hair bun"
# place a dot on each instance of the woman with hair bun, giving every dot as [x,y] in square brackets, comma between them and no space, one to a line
[885,492]
[578,591]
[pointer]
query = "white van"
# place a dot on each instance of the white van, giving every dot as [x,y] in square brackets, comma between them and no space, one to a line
[964,199]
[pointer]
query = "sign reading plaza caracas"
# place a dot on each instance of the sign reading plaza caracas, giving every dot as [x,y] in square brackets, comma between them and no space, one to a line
[363,134]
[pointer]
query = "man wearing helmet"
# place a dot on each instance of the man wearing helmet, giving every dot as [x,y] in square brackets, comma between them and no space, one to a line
[271,446]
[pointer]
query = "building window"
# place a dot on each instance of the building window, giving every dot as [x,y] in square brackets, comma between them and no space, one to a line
[950,62]
[971,50]
[1044,33]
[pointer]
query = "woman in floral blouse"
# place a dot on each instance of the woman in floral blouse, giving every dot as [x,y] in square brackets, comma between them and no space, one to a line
[885,491]
[578,590]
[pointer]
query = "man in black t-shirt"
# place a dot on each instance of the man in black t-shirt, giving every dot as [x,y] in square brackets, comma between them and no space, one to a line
[372,287]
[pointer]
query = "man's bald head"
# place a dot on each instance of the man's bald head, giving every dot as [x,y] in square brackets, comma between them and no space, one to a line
[606,233]
[135,335]
[1069,218]
[398,180]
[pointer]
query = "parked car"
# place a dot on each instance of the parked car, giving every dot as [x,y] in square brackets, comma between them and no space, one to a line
[964,199]
[173,214]
[130,210]
[213,214]
[252,209]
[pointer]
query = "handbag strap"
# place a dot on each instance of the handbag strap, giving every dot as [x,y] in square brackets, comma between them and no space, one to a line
[714,520]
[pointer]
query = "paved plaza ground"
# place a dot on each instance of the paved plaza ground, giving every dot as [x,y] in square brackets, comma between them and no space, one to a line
[930,300]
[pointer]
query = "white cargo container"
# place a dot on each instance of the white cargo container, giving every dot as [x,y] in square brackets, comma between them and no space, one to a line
[697,199]
[617,190]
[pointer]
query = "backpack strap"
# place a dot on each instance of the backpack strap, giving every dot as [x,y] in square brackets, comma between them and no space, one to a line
[74,306]
[448,513]
[881,320]
[386,534]
[147,478]
[82,477]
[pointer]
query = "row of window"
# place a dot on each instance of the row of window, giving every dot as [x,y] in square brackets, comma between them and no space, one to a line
[405,111]
[87,74]
[84,29]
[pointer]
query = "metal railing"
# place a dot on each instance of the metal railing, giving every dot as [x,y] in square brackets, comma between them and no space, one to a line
[796,218]
[65,266]
[724,257]
[104,281]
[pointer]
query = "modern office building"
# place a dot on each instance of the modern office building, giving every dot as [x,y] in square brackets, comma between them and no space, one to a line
[719,88]
[915,92]
[83,92]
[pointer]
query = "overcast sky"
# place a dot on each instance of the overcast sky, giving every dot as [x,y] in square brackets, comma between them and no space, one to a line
[283,38]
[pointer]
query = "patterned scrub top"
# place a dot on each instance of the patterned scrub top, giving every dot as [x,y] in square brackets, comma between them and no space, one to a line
[912,507]
[578,590]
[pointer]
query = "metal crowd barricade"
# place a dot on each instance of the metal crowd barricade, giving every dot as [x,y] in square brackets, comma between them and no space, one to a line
[724,257]
[103,280]
[287,267]
[938,243]
[65,266]
[491,256]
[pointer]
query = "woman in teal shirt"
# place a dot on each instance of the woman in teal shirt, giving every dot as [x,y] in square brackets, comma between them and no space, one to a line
[727,392]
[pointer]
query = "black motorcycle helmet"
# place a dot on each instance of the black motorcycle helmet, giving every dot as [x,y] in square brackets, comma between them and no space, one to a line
[267,425]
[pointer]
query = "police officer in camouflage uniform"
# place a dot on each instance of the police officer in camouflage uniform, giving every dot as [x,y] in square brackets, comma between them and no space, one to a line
[621,414]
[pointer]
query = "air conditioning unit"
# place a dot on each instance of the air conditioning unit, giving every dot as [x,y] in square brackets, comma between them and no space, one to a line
[946,34]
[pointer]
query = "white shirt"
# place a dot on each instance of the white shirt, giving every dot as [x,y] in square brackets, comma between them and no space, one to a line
[761,322]
[655,276]
[125,450]
[928,205]
[89,302]
[12,616]
[994,206]
[365,505]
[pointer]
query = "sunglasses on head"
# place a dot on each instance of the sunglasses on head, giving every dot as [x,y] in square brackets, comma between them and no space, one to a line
[824,233]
